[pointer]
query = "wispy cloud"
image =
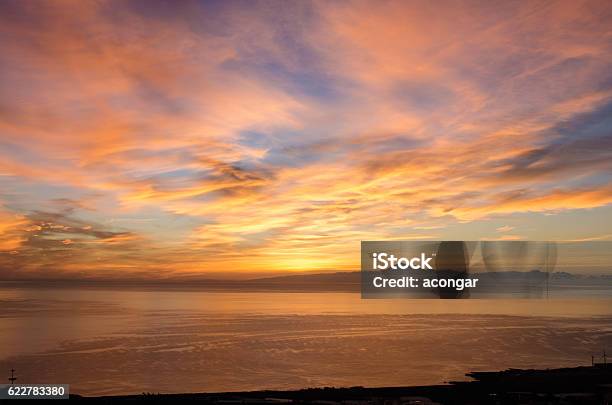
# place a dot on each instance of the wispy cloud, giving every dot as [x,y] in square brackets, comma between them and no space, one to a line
[204,137]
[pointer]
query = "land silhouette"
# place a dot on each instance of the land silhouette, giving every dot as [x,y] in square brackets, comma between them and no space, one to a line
[576,385]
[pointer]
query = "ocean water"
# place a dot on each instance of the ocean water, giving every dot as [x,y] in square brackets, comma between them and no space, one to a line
[115,342]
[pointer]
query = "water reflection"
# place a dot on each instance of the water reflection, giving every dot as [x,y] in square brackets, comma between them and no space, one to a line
[103,341]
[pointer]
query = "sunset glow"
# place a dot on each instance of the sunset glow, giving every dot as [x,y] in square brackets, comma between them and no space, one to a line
[210,139]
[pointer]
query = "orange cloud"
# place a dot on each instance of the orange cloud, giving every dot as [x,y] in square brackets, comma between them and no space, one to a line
[10,226]
[249,139]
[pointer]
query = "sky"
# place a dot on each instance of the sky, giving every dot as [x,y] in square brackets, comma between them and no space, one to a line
[163,139]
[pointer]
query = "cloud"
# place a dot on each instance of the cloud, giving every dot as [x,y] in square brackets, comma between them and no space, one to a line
[10,239]
[45,242]
[225,138]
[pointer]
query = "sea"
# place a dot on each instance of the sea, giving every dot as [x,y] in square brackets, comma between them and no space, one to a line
[105,341]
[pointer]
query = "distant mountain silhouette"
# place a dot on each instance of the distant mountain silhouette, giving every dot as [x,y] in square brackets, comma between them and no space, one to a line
[321,282]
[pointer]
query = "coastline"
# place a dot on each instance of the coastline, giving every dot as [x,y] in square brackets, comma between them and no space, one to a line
[592,384]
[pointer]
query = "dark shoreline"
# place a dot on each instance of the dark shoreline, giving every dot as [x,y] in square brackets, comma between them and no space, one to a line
[576,385]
